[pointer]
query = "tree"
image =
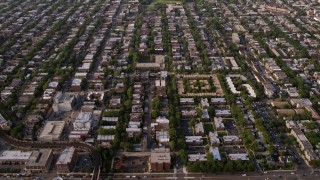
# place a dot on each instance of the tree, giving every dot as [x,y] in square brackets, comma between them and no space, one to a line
[172,145]
[315,163]
[183,156]
[17,131]
[199,112]
[181,143]
[128,146]
[172,133]
[84,83]
[192,122]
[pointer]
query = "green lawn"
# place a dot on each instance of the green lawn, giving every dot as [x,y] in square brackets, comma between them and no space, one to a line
[222,133]
[208,127]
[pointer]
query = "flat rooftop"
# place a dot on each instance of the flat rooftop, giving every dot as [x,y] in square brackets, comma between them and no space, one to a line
[15,155]
[39,157]
[52,130]
[160,157]
[66,155]
[242,156]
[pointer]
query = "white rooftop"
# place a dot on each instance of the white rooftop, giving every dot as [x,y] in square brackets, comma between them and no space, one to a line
[197,157]
[250,90]
[162,120]
[105,137]
[231,138]
[66,155]
[15,155]
[214,139]
[240,156]
[218,100]
[52,130]
[215,153]
[218,123]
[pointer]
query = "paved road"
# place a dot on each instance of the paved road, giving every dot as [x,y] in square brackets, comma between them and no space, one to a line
[274,132]
[196,176]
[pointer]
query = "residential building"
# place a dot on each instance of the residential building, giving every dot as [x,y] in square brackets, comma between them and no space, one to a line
[215,153]
[239,156]
[83,122]
[66,160]
[160,160]
[52,131]
[63,102]
[15,157]
[218,123]
[214,139]
[197,157]
[198,128]
[301,139]
[194,140]
[39,161]
[232,140]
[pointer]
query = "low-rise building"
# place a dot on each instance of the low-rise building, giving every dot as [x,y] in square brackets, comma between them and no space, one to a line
[218,101]
[4,124]
[76,85]
[157,65]
[300,103]
[39,161]
[163,137]
[63,102]
[186,101]
[197,157]
[214,139]
[232,140]
[83,122]
[310,155]
[301,139]
[204,103]
[205,114]
[52,131]
[133,132]
[223,113]
[194,140]
[160,161]
[110,120]
[67,159]
[14,157]
[218,124]
[189,113]
[105,138]
[163,121]
[198,128]
[239,156]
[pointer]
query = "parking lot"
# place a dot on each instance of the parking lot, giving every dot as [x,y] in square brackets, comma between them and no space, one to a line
[230,126]
[84,163]
[186,129]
